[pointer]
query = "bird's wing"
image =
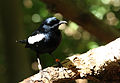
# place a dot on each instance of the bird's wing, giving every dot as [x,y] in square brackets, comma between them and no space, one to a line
[35,41]
[36,38]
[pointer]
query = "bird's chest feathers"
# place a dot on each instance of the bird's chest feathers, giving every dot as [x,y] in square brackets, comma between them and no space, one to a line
[53,37]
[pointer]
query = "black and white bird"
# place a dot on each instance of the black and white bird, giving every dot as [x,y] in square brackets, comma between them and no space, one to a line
[46,38]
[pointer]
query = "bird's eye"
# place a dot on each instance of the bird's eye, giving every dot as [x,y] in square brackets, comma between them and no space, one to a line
[51,22]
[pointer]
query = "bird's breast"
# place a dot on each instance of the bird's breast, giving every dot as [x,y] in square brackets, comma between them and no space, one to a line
[53,40]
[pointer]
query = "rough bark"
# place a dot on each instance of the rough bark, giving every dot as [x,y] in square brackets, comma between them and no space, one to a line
[78,11]
[100,64]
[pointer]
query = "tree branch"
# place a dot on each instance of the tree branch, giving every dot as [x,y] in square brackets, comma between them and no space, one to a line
[78,11]
[101,64]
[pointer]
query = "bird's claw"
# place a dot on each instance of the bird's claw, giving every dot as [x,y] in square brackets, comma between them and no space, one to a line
[58,62]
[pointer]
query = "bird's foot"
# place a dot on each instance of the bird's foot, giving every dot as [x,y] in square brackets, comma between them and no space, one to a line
[58,63]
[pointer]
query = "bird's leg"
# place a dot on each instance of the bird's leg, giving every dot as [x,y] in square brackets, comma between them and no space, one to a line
[39,65]
[56,60]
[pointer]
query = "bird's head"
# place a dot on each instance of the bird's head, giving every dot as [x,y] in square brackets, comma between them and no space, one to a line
[52,23]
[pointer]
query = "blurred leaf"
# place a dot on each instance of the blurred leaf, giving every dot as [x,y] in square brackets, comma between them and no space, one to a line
[92,45]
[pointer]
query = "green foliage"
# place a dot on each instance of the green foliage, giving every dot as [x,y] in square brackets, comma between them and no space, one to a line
[99,11]
[102,9]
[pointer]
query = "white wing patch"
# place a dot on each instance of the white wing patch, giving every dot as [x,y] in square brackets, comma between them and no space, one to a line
[36,38]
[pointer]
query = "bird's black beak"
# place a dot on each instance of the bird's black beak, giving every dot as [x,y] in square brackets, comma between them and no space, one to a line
[62,22]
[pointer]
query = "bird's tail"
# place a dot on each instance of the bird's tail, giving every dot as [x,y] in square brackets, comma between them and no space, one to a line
[21,41]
